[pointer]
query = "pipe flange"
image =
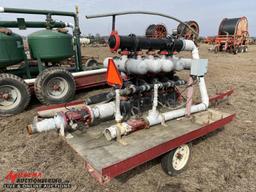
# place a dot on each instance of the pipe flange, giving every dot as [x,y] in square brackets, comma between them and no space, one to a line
[90,119]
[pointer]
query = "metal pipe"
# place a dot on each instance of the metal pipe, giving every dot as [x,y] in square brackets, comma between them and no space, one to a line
[125,128]
[76,74]
[49,13]
[36,12]
[113,23]
[140,12]
[33,24]
[77,35]
[134,43]
[131,89]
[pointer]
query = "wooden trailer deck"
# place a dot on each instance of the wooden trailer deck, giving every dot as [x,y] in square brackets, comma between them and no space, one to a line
[106,160]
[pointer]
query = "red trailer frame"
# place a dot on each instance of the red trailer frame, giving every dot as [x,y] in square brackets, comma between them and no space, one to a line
[85,81]
[108,173]
[110,169]
[229,43]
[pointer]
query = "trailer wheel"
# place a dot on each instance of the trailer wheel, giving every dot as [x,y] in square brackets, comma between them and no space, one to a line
[14,94]
[235,50]
[216,49]
[177,160]
[90,63]
[55,85]
[240,49]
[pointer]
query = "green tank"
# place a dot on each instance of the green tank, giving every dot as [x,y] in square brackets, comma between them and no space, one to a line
[11,49]
[50,45]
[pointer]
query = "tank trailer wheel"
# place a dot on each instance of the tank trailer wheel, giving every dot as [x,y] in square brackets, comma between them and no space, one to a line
[14,94]
[90,63]
[176,161]
[55,85]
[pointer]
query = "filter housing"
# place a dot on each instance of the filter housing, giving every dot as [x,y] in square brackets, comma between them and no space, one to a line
[11,49]
[50,45]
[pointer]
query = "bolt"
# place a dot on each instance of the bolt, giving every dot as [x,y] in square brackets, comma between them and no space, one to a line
[179,156]
[4,96]
[56,87]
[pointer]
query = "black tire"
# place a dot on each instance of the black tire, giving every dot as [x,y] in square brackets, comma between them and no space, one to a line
[168,165]
[12,84]
[41,86]
[90,63]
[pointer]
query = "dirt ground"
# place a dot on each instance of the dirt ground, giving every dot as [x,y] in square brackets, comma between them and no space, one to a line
[223,161]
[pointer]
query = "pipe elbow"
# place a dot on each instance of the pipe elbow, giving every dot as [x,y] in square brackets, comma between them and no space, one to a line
[189,45]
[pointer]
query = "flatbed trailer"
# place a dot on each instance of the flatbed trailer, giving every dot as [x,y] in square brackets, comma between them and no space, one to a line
[105,160]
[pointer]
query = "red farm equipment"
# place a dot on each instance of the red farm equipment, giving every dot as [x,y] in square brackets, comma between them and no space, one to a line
[232,37]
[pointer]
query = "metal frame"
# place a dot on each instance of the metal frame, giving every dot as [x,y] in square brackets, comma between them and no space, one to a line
[85,81]
[114,14]
[108,173]
[114,170]
[49,23]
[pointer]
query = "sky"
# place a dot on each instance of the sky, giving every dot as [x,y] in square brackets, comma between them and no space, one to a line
[207,13]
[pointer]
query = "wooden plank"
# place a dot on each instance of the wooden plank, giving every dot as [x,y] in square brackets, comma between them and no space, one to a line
[92,146]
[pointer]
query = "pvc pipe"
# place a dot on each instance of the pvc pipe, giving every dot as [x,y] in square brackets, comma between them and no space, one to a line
[155,99]
[189,96]
[56,122]
[150,64]
[157,118]
[103,111]
[153,120]
[89,72]
[75,74]
[118,116]
[60,121]
[111,132]
[189,45]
